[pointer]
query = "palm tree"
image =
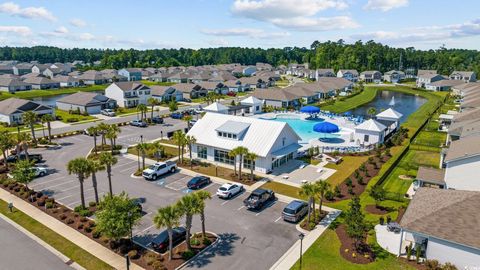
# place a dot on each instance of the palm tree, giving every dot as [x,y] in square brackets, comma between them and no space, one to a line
[108,160]
[102,129]
[93,130]
[30,119]
[48,118]
[190,140]
[371,111]
[233,154]
[95,167]
[251,157]
[6,142]
[142,108]
[158,149]
[322,188]
[168,216]
[241,152]
[203,195]
[112,134]
[187,119]
[142,149]
[308,190]
[80,167]
[21,142]
[178,138]
[152,102]
[189,205]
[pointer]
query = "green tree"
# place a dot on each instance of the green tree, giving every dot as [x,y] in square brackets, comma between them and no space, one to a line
[179,139]
[112,135]
[142,109]
[371,111]
[251,157]
[102,129]
[233,154]
[117,215]
[6,142]
[30,119]
[190,141]
[93,130]
[308,190]
[48,118]
[172,106]
[240,151]
[95,166]
[81,168]
[378,194]
[142,149]
[355,221]
[152,102]
[108,160]
[21,143]
[322,188]
[189,205]
[169,217]
[158,149]
[187,119]
[203,195]
[23,172]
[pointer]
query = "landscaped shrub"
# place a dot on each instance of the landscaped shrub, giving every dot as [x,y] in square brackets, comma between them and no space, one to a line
[85,213]
[389,219]
[350,190]
[41,202]
[83,219]
[96,234]
[133,254]
[123,249]
[69,221]
[329,195]
[49,205]
[348,182]
[114,245]
[409,251]
[151,257]
[78,208]
[92,204]
[62,216]
[337,191]
[91,223]
[206,241]
[360,180]
[88,229]
[381,220]
[157,265]
[195,241]
[80,226]
[50,200]
[39,194]
[187,255]
[432,264]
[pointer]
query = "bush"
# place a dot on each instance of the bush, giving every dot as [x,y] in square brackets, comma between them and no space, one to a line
[96,234]
[85,213]
[157,265]
[389,219]
[49,205]
[80,226]
[88,229]
[194,242]
[187,255]
[69,221]
[72,120]
[329,195]
[49,200]
[348,182]
[77,209]
[83,219]
[114,244]
[150,258]
[91,223]
[123,249]
[39,194]
[432,264]
[41,202]
[206,241]
[350,190]
[337,191]
[381,220]
[92,204]
[133,254]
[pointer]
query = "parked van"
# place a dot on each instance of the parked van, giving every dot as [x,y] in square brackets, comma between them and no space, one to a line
[295,211]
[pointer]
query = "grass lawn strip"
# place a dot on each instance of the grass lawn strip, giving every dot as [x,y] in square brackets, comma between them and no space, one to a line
[57,241]
[351,103]
[72,118]
[30,94]
[348,165]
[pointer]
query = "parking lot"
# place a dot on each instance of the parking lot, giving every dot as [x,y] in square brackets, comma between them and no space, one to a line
[248,239]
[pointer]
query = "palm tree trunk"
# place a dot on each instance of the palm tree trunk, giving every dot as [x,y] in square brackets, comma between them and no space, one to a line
[313,211]
[191,160]
[189,227]
[5,159]
[170,243]
[240,168]
[111,145]
[95,143]
[49,132]
[179,159]
[202,218]
[320,205]
[82,195]
[251,172]
[309,210]
[109,176]
[143,160]
[235,165]
[32,129]
[94,185]
[151,116]
[138,159]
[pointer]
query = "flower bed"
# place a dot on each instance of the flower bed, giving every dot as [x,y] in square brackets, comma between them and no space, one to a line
[313,223]
[362,254]
[145,258]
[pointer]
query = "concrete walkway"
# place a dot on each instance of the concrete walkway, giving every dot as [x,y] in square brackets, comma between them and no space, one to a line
[389,241]
[101,252]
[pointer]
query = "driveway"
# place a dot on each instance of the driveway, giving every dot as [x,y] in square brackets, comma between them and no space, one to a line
[389,241]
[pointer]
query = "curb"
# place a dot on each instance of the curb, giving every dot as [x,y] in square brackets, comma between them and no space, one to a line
[35,238]
[200,253]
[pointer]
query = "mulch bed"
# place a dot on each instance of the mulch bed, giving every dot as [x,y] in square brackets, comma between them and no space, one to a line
[349,251]
[358,187]
[380,210]
[318,218]
[413,263]
[139,255]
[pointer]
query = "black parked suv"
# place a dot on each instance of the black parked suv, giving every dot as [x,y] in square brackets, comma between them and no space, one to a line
[160,243]
[35,158]
[258,198]
[295,211]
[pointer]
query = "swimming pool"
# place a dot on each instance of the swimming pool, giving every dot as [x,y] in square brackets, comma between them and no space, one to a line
[304,128]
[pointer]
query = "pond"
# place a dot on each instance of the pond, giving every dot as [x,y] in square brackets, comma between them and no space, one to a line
[51,100]
[403,103]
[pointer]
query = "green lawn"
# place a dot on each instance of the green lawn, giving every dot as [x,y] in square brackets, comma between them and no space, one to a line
[345,168]
[350,103]
[283,189]
[72,118]
[57,241]
[22,128]
[169,152]
[431,138]
[324,254]
[51,92]
[147,82]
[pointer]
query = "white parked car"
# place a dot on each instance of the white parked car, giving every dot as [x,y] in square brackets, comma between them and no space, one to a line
[38,171]
[108,112]
[229,190]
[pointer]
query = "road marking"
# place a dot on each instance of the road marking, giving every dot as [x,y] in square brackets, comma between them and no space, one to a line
[70,188]
[129,168]
[67,182]
[76,139]
[148,228]
[63,198]
[257,214]
[277,219]
[241,208]
[225,202]
[48,181]
[123,164]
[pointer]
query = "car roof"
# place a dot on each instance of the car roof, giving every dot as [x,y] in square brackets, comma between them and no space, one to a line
[227,185]
[196,178]
[259,191]
[295,204]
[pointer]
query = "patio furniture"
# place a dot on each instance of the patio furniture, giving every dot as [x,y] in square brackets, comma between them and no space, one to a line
[394,227]
[285,177]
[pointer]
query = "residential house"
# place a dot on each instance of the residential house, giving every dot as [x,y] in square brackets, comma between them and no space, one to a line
[443,85]
[394,76]
[254,103]
[51,72]
[249,70]
[234,86]
[66,81]
[216,87]
[89,102]
[349,74]
[443,224]
[277,98]
[371,76]
[6,69]
[422,72]
[324,72]
[181,77]
[22,69]
[92,78]
[466,76]
[424,80]
[216,107]
[39,68]
[132,74]
[166,93]
[12,110]
[306,95]
[160,77]
[389,118]
[274,143]
[222,77]
[200,77]
[190,90]
[42,83]
[13,85]
[128,94]
[370,132]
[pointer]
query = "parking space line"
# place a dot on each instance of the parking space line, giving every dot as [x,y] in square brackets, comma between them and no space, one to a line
[129,168]
[277,219]
[243,206]
[148,228]
[63,198]
[48,181]
[70,188]
[225,202]
[257,214]
[57,185]
[126,163]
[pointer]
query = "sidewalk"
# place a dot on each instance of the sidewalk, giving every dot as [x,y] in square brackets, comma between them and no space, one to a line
[94,248]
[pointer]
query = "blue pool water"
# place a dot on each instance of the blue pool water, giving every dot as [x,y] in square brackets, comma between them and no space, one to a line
[304,128]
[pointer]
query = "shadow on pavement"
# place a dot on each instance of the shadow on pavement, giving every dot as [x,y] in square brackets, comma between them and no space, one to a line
[224,247]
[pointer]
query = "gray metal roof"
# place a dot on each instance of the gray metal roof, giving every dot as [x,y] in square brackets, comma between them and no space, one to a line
[233,127]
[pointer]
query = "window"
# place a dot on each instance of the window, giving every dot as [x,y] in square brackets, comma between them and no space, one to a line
[140,92]
[365,138]
[283,141]
[247,164]
[234,136]
[222,156]
[202,152]
[229,135]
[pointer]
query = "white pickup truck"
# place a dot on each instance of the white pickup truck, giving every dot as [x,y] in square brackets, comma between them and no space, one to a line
[158,169]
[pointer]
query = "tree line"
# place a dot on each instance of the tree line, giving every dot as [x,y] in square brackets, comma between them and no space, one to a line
[331,54]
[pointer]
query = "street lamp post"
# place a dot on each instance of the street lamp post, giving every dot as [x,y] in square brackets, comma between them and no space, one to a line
[141,138]
[127,260]
[301,236]
[130,223]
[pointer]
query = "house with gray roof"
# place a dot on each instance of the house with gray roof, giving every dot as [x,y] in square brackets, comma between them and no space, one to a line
[66,81]
[89,102]
[349,74]
[424,80]
[22,69]
[92,77]
[277,97]
[6,69]
[128,94]
[13,85]
[12,110]
[180,77]
[324,72]
[166,93]
[190,90]
[393,76]
[443,224]
[466,76]
[132,74]
[42,83]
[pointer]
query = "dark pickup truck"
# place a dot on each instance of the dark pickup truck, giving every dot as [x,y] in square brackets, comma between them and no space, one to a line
[258,198]
[32,157]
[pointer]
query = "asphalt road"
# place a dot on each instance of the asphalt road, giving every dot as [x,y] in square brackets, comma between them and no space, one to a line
[21,252]
[249,240]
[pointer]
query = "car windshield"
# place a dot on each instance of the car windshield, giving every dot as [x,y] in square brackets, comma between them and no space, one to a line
[223,188]
[289,211]
[152,167]
[195,180]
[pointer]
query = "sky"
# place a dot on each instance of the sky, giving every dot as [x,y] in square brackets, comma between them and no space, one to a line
[147,24]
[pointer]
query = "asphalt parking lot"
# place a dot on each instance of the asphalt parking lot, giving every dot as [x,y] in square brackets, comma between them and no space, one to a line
[248,239]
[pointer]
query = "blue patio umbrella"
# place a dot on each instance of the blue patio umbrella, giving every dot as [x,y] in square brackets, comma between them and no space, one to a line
[310,109]
[326,127]
[348,113]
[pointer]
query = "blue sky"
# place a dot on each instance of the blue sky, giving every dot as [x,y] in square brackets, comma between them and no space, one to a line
[145,24]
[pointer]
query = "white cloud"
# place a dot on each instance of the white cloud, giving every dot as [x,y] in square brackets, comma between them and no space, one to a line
[28,12]
[61,30]
[426,33]
[385,5]
[245,32]
[78,22]
[86,36]
[18,30]
[221,42]
[300,15]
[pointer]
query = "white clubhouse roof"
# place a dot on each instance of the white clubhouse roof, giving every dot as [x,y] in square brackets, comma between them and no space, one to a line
[371,125]
[390,113]
[216,107]
[259,136]
[251,100]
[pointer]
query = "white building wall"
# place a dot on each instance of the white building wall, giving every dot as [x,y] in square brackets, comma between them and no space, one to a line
[462,257]
[463,174]
[114,92]
[374,136]
[5,118]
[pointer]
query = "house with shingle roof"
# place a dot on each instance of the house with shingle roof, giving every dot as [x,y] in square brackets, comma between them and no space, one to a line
[190,90]
[371,76]
[41,83]
[92,77]
[22,69]
[443,223]
[13,85]
[349,74]
[466,76]
[277,97]
[132,74]
[166,93]
[393,76]
[89,102]
[66,81]
[12,110]
[424,80]
[128,94]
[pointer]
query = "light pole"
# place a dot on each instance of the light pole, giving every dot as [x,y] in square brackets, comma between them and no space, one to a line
[130,223]
[301,236]
[141,138]
[127,260]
